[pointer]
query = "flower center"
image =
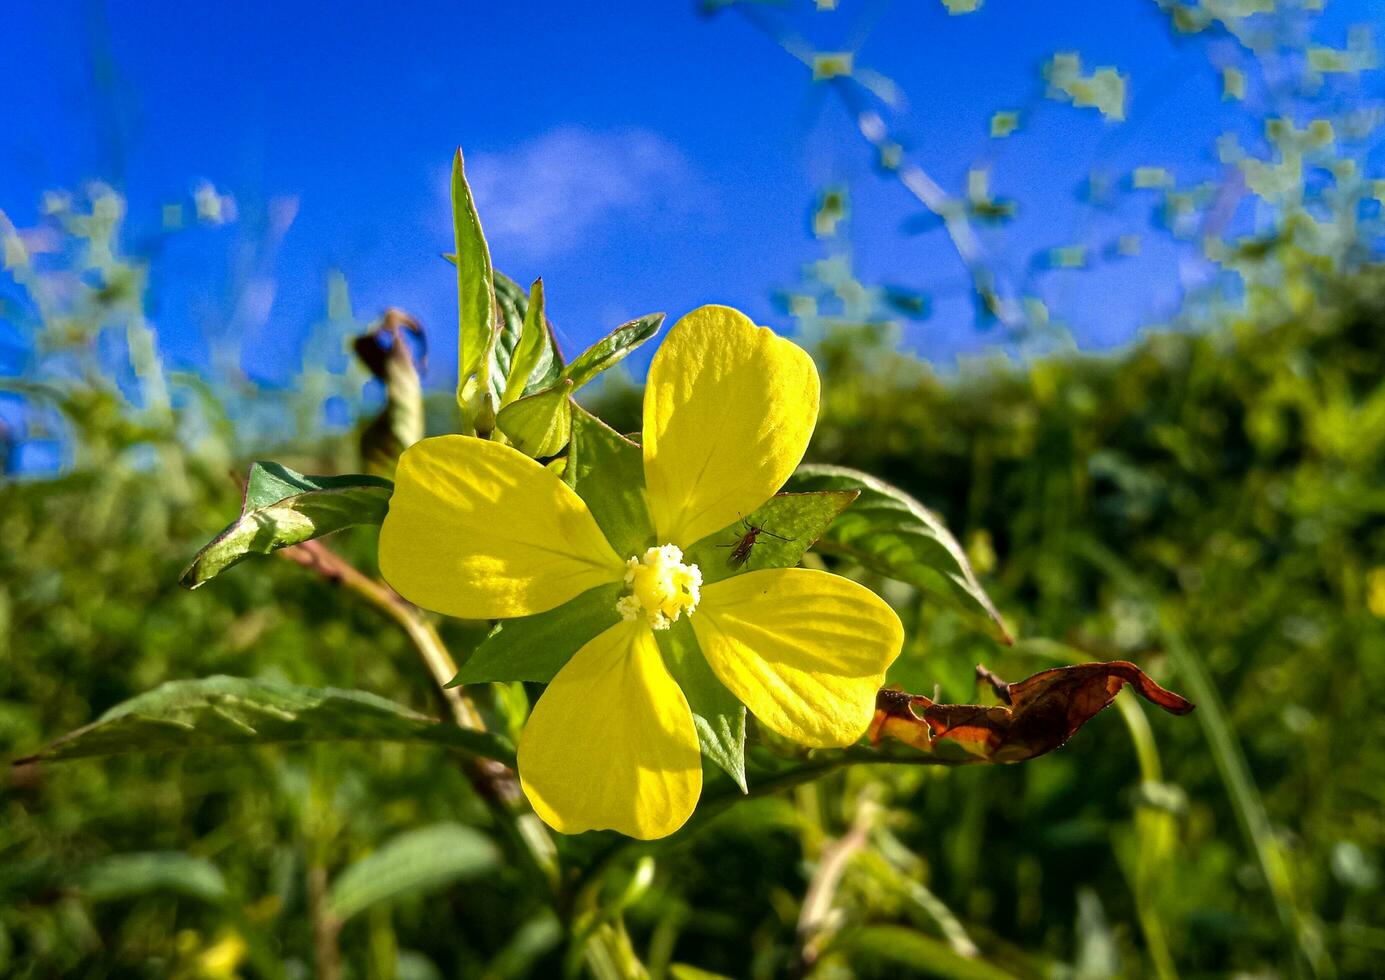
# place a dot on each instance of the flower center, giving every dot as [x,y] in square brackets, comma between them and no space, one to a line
[660,587]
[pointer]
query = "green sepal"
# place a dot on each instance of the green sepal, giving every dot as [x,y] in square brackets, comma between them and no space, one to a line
[607,471]
[889,532]
[800,517]
[282,508]
[539,425]
[525,358]
[533,350]
[535,648]
[611,349]
[718,717]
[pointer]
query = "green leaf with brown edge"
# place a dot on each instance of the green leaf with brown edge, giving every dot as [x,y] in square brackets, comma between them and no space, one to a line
[718,717]
[534,648]
[283,508]
[220,711]
[385,351]
[607,471]
[611,349]
[539,425]
[889,532]
[775,535]
[1038,715]
[476,307]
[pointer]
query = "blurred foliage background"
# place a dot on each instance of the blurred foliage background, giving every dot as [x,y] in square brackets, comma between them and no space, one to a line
[1206,502]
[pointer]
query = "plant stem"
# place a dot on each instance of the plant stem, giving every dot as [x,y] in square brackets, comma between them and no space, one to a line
[815,916]
[326,926]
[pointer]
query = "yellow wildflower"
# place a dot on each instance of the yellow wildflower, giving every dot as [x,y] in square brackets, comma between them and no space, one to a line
[480,531]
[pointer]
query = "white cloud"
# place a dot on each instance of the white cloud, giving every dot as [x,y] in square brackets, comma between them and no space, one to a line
[547,195]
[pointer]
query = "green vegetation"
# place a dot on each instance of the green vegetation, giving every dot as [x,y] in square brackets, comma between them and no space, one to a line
[278,779]
[1204,504]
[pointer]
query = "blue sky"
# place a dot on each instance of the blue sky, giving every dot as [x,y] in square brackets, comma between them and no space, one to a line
[637,155]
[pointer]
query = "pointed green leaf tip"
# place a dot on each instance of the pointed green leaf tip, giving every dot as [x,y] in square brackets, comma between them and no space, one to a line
[476,318]
[524,334]
[512,316]
[283,508]
[611,349]
[535,346]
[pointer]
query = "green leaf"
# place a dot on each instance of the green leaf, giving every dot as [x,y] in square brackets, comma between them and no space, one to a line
[607,471]
[525,947]
[889,532]
[534,355]
[611,349]
[386,353]
[539,425]
[416,861]
[685,971]
[213,712]
[535,648]
[899,946]
[122,876]
[513,309]
[801,518]
[718,717]
[476,308]
[283,508]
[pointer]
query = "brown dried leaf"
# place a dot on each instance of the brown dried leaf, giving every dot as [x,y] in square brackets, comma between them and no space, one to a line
[1040,713]
[385,352]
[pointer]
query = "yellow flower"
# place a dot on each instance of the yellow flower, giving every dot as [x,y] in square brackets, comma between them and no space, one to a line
[481,531]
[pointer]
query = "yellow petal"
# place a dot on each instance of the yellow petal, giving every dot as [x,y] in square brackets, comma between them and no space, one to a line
[804,650]
[728,412]
[611,743]
[480,531]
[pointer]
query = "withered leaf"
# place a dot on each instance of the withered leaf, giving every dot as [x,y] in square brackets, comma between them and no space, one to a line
[386,353]
[1040,713]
